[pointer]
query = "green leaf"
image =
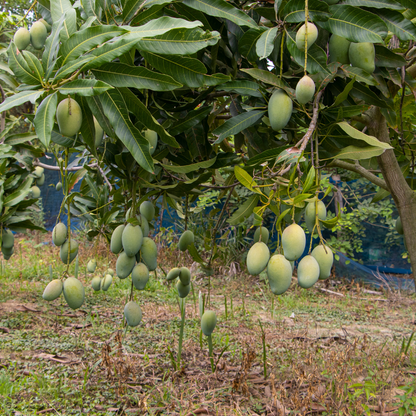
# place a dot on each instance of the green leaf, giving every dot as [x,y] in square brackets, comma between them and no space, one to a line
[160,26]
[19,98]
[216,79]
[60,8]
[190,168]
[236,124]
[194,254]
[265,44]
[309,179]
[294,11]
[396,23]
[376,4]
[316,56]
[358,74]
[10,81]
[247,43]
[409,4]
[20,194]
[115,109]
[148,15]
[34,65]
[265,156]
[381,194]
[387,58]
[131,8]
[84,87]
[145,117]
[20,67]
[6,68]
[179,41]
[19,138]
[220,8]
[359,153]
[98,112]
[52,44]
[344,94]
[121,75]
[45,118]
[364,93]
[245,210]
[354,24]
[242,87]
[246,179]
[193,118]
[89,8]
[71,67]
[87,39]
[265,76]
[187,71]
[359,135]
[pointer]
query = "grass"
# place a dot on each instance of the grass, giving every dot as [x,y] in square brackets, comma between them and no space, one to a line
[325,354]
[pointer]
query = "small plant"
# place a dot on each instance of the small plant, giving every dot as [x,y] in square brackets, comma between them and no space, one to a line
[408,399]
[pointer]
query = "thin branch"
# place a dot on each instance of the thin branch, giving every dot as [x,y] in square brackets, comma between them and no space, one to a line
[105,178]
[302,143]
[357,168]
[75,168]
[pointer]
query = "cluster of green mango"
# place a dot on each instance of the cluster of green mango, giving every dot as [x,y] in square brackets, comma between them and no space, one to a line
[35,36]
[137,254]
[101,283]
[183,286]
[68,247]
[40,180]
[7,243]
[72,289]
[280,267]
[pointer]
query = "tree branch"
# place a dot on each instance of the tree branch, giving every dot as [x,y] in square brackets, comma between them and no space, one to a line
[50,167]
[357,168]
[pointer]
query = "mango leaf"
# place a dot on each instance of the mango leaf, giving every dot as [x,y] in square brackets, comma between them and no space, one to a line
[145,117]
[359,153]
[329,223]
[84,87]
[359,135]
[121,75]
[316,56]
[87,126]
[215,79]
[190,168]
[87,39]
[20,67]
[220,8]
[396,23]
[247,43]
[364,93]
[89,8]
[34,65]
[45,118]
[294,11]
[250,88]
[387,58]
[265,44]
[131,8]
[265,76]
[193,118]
[160,26]
[72,67]
[246,179]
[98,112]
[263,157]
[20,194]
[52,44]
[115,109]
[187,71]
[309,179]
[60,8]
[410,4]
[236,124]
[194,254]
[6,68]
[290,155]
[354,24]
[19,138]
[10,81]
[376,4]
[245,210]
[179,41]
[381,194]
[19,98]
[358,74]
[148,15]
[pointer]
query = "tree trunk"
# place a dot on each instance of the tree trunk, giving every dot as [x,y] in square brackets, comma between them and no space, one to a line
[403,196]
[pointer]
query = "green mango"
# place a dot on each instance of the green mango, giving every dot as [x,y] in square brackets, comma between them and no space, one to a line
[305,90]
[312,36]
[148,253]
[74,293]
[132,239]
[124,265]
[106,282]
[280,109]
[187,238]
[325,258]
[59,234]
[151,137]
[185,276]
[293,242]
[69,117]
[173,274]
[22,39]
[116,244]
[7,239]
[140,276]
[310,214]
[279,273]
[99,133]
[147,209]
[41,180]
[264,235]
[132,313]
[91,266]
[257,258]
[35,191]
[73,248]
[38,172]
[183,290]
[96,283]
[399,226]
[53,290]
[38,33]
[338,49]
[208,322]
[308,272]
[363,55]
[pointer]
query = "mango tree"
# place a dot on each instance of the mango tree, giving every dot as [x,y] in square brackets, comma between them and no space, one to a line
[184,88]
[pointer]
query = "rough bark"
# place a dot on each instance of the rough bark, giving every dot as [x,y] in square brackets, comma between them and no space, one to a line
[404,197]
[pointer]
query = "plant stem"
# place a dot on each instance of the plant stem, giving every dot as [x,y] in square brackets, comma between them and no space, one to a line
[225,304]
[263,340]
[182,303]
[211,356]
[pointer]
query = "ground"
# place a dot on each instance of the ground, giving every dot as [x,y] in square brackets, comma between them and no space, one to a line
[307,352]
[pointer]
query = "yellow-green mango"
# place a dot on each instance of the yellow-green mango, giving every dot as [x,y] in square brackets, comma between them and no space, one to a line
[305,90]
[132,313]
[140,276]
[22,38]
[208,322]
[116,244]
[110,271]
[74,293]
[264,235]
[338,49]
[293,242]
[183,291]
[47,25]
[279,109]
[106,282]
[187,238]
[173,274]
[73,251]
[59,234]
[69,117]
[148,253]
[7,239]
[41,180]
[151,137]
[185,276]
[399,226]
[325,258]
[279,273]
[147,209]
[362,55]
[38,172]
[99,133]
[312,36]
[132,239]
[53,290]
[310,214]
[91,266]
[144,225]
[96,283]
[257,258]
[38,33]
[35,191]
[308,272]
[58,186]
[124,265]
